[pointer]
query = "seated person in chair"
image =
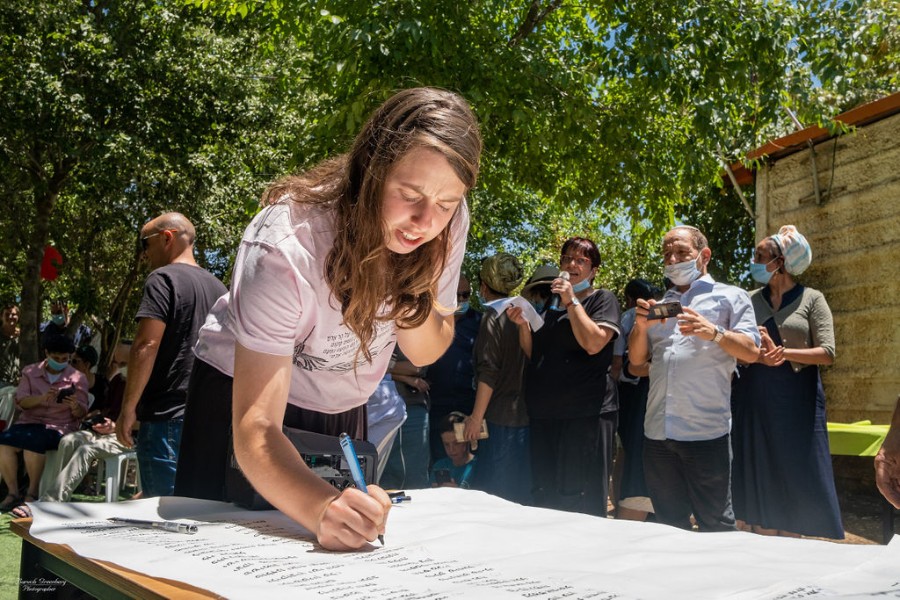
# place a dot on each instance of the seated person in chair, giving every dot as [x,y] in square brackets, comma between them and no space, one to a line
[53,398]
[68,465]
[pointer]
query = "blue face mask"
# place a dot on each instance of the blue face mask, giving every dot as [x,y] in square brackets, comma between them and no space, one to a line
[581,286]
[462,308]
[760,273]
[56,366]
[59,319]
[538,306]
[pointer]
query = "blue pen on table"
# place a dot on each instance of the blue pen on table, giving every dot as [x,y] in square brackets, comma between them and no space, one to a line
[355,470]
[164,525]
[399,499]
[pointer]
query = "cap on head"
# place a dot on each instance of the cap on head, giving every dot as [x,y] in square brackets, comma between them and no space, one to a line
[502,272]
[542,275]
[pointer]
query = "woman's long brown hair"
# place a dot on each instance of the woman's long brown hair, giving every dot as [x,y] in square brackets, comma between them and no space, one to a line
[360,269]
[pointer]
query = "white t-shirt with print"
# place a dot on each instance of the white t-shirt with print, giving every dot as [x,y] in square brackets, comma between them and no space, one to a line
[280,304]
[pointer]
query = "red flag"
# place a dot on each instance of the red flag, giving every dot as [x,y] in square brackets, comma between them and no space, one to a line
[52,260]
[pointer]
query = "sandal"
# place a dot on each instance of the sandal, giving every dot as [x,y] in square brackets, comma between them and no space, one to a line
[22,511]
[10,502]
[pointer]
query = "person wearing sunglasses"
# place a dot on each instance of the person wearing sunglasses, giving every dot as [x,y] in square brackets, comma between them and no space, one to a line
[177,296]
[569,394]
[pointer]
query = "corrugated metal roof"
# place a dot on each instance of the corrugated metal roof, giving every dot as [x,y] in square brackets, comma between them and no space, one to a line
[784,146]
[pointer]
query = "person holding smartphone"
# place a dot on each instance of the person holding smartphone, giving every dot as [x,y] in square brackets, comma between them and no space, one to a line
[457,469]
[53,398]
[687,453]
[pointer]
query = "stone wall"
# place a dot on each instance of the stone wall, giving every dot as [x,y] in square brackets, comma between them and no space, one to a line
[855,236]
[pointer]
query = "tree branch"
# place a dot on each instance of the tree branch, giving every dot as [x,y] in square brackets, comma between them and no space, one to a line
[533,19]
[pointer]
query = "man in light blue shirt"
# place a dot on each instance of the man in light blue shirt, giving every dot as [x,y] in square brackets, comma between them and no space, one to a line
[687,454]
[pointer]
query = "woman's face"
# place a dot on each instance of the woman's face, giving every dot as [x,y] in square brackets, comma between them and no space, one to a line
[763,256]
[421,195]
[80,364]
[577,264]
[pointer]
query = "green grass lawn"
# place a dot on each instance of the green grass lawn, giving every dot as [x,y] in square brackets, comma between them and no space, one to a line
[11,549]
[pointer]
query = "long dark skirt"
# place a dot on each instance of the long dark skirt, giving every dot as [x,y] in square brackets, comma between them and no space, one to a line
[782,474]
[570,462]
[206,436]
[632,409]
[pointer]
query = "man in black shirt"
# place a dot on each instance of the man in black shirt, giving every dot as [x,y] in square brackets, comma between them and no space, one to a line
[177,296]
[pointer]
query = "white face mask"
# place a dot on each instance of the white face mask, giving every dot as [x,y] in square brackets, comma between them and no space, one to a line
[683,273]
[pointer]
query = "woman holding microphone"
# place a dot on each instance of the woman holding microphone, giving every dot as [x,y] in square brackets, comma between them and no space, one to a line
[570,397]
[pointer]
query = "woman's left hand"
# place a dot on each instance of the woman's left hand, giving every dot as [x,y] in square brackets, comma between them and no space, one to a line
[772,358]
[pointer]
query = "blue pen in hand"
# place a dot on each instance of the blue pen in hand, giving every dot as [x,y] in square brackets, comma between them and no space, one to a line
[355,470]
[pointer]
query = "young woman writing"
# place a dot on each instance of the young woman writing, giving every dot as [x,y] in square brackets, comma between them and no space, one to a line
[347,259]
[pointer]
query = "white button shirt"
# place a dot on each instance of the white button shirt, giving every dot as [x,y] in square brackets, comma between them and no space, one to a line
[690,378]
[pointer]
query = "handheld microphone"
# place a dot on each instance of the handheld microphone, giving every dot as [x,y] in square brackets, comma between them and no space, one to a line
[554,299]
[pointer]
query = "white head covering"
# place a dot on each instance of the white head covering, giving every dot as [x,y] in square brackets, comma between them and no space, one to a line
[795,248]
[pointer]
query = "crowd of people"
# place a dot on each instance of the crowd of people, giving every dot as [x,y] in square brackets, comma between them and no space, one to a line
[347,292]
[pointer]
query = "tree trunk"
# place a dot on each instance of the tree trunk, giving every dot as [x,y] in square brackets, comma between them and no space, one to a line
[112,328]
[29,351]
[45,189]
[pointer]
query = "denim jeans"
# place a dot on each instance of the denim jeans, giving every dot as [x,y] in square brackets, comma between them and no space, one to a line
[157,452]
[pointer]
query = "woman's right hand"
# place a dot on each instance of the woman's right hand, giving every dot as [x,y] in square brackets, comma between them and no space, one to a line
[769,354]
[354,519]
[516,315]
[772,358]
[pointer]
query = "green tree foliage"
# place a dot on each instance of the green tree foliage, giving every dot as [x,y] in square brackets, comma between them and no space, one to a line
[606,119]
[114,112]
[626,109]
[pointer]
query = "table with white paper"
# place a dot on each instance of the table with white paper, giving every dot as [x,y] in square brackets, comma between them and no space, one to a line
[449,543]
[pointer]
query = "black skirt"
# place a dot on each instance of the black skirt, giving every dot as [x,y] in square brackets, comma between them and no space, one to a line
[206,434]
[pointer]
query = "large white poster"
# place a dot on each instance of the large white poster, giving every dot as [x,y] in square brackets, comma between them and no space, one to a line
[449,543]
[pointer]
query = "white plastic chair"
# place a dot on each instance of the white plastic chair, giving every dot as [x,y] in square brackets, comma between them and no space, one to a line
[111,468]
[7,404]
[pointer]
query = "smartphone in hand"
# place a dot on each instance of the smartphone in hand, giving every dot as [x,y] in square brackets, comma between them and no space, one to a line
[664,310]
[442,476]
[64,393]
